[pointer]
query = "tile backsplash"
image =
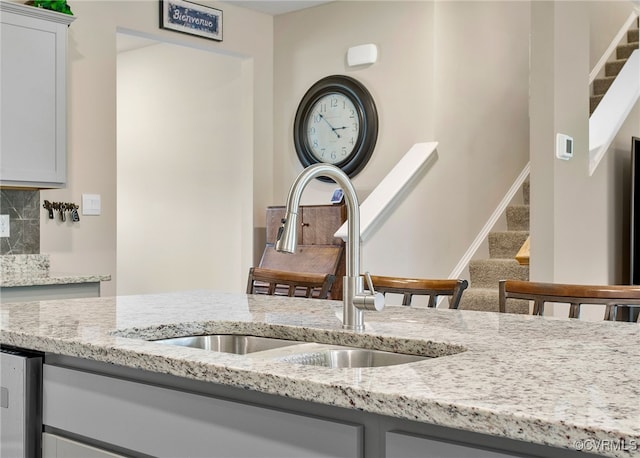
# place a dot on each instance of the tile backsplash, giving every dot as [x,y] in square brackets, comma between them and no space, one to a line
[23,208]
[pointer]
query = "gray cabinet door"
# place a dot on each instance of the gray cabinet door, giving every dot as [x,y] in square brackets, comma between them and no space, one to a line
[33,91]
[49,292]
[59,447]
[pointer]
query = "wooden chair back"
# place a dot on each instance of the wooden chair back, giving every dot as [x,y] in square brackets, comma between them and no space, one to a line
[612,296]
[284,283]
[410,287]
[321,259]
[307,258]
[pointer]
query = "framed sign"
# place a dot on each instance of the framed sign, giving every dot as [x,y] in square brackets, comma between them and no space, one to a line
[191,18]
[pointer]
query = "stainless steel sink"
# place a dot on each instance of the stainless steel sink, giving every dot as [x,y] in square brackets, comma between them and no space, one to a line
[230,343]
[351,357]
[308,353]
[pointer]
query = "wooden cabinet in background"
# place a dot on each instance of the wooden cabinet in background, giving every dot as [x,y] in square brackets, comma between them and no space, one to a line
[318,250]
[318,223]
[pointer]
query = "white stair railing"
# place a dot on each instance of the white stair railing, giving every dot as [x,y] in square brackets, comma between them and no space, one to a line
[598,70]
[391,189]
[613,109]
[616,104]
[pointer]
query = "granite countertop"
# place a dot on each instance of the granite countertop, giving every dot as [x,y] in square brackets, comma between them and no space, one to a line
[34,270]
[537,379]
[9,281]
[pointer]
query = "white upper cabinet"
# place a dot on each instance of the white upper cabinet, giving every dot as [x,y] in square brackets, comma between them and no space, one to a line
[33,117]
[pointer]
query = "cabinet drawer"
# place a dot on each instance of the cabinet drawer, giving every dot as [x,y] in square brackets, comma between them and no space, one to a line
[403,445]
[164,422]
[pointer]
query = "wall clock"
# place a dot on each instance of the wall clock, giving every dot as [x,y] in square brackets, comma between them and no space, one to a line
[336,123]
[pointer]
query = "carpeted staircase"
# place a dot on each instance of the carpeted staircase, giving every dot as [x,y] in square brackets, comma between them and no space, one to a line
[612,68]
[484,274]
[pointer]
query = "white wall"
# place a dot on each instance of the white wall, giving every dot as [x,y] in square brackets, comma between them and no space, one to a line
[312,43]
[452,72]
[576,219]
[184,195]
[416,84]
[91,245]
[481,93]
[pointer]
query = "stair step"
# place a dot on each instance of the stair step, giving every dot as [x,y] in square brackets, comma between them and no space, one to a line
[632,35]
[481,299]
[625,50]
[506,244]
[486,273]
[487,300]
[518,217]
[613,68]
[600,85]
[594,100]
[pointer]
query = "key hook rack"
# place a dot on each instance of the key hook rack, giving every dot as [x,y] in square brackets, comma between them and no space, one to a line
[62,208]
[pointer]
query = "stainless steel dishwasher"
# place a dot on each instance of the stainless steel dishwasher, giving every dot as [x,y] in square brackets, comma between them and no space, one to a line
[21,404]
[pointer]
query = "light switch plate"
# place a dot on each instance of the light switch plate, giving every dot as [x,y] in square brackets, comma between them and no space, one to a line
[91,204]
[5,226]
[564,147]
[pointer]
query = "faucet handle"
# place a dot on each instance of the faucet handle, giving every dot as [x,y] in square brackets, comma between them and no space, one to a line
[367,275]
[281,229]
[371,301]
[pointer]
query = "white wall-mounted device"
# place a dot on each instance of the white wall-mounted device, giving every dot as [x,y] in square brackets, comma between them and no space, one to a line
[363,54]
[91,204]
[5,226]
[564,147]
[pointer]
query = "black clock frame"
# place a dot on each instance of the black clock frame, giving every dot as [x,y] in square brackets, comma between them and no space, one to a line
[367,117]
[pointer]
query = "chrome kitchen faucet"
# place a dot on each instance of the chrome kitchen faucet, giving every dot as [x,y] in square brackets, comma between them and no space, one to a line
[354,298]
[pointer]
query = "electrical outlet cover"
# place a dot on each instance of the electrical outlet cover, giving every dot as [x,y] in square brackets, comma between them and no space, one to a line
[5,226]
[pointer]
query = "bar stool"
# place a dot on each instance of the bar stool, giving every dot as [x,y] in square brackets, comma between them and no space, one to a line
[410,287]
[627,297]
[284,283]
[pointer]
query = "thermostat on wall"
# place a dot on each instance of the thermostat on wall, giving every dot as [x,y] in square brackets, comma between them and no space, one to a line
[564,147]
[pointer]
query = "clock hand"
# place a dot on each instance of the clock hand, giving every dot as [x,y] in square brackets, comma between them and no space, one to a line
[329,124]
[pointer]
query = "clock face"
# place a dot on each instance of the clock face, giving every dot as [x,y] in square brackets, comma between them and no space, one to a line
[336,123]
[332,128]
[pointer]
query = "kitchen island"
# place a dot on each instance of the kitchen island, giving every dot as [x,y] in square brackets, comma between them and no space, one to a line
[495,384]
